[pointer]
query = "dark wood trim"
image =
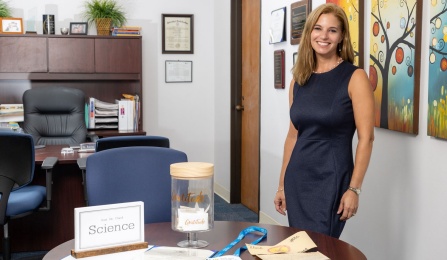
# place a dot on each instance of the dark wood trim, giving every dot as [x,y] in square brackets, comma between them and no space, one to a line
[236,98]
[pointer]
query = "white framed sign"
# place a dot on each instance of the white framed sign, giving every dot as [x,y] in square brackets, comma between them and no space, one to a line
[104,226]
[178,71]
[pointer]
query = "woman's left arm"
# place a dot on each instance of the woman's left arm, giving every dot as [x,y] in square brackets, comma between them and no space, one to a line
[362,98]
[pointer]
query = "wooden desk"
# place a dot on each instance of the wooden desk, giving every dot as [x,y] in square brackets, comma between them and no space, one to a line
[224,232]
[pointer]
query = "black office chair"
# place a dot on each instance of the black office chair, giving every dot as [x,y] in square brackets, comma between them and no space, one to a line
[133,174]
[118,142]
[55,115]
[17,198]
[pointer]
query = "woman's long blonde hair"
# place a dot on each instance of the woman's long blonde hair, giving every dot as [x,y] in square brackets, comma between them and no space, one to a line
[306,62]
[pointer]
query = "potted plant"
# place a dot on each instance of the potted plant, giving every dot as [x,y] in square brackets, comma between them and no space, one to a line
[5,10]
[105,14]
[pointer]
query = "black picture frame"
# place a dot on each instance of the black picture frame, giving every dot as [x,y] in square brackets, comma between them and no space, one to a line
[78,28]
[177,33]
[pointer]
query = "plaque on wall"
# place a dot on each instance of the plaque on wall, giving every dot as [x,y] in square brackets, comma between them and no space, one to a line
[277,30]
[279,68]
[298,16]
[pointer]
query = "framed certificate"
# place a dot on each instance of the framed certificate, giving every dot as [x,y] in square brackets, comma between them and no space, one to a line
[277,31]
[177,33]
[279,68]
[178,71]
[298,16]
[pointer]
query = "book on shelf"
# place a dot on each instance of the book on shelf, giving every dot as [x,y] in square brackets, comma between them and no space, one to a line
[11,113]
[126,31]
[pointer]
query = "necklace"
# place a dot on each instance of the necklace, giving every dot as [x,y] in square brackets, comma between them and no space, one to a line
[333,67]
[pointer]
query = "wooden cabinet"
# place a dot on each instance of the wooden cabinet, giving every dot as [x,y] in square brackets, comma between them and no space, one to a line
[104,67]
[71,55]
[23,54]
[118,56]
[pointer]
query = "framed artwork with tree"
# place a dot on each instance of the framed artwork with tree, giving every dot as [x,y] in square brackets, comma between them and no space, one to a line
[394,63]
[437,69]
[354,10]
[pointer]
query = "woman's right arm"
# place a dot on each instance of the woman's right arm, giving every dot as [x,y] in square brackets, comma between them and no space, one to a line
[280,200]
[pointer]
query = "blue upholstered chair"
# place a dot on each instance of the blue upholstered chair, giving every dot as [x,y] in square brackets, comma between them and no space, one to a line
[17,198]
[122,141]
[133,174]
[125,141]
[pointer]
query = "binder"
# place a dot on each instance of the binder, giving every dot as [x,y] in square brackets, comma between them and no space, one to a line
[122,115]
[91,115]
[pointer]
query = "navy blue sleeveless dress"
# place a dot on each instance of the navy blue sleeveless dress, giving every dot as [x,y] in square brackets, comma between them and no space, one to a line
[321,163]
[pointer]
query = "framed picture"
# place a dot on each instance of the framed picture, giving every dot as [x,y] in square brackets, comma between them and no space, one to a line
[11,25]
[277,30]
[278,61]
[298,17]
[295,57]
[394,63]
[354,10]
[78,28]
[178,71]
[177,33]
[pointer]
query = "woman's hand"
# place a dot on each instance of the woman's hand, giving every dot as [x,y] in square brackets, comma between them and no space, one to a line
[280,202]
[349,205]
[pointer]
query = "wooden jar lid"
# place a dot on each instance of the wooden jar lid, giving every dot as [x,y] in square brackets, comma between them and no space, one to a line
[186,170]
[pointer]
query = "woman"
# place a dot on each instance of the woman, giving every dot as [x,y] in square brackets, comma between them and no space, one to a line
[329,100]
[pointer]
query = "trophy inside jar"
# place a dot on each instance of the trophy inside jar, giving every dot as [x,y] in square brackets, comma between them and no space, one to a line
[192,198]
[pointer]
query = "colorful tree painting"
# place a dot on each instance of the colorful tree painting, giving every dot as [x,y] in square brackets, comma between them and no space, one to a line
[394,63]
[437,91]
[353,10]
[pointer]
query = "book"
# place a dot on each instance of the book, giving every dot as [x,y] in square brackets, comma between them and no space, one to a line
[11,113]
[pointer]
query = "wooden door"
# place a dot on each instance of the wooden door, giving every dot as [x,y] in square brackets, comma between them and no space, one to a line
[251,22]
[245,70]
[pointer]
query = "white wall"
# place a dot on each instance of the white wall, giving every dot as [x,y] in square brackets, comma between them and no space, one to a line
[402,208]
[195,116]
[402,212]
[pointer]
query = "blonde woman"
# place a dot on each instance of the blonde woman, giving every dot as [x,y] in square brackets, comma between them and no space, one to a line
[330,99]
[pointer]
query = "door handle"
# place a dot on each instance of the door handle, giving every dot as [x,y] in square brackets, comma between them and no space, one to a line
[239,108]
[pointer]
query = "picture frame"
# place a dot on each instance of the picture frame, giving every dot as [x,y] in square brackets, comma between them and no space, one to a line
[295,57]
[394,66]
[277,30]
[279,64]
[178,71]
[11,25]
[354,10]
[298,16]
[78,28]
[177,33]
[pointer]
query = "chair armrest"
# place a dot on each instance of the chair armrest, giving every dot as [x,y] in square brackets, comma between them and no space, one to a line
[82,163]
[48,165]
[92,138]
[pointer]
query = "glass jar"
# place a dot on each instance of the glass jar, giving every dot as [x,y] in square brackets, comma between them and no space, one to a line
[192,200]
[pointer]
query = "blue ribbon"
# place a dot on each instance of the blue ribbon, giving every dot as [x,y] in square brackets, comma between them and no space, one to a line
[241,235]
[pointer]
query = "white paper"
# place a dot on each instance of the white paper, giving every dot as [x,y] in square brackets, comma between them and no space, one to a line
[177,253]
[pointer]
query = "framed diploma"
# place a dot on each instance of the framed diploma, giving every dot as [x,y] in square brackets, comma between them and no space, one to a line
[277,31]
[178,71]
[298,16]
[279,68]
[177,33]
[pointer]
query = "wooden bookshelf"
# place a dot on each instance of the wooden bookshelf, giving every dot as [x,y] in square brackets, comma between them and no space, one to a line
[104,67]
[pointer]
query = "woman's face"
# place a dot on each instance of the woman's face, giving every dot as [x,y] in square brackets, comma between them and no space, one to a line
[326,35]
